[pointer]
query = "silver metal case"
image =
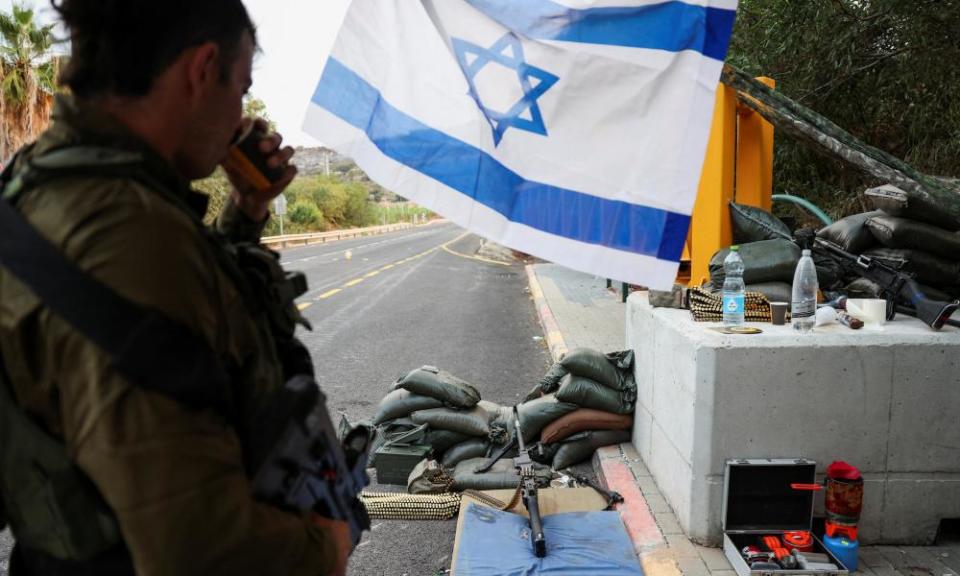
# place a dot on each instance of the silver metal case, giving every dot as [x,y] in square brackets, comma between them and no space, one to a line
[758,500]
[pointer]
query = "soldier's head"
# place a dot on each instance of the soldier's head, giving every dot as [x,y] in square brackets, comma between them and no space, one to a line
[175,71]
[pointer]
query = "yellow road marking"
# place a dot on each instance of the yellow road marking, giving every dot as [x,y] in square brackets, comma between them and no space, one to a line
[326,295]
[372,274]
[353,283]
[304,305]
[447,248]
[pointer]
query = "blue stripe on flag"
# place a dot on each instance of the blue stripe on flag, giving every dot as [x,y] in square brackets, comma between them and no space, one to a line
[672,26]
[476,174]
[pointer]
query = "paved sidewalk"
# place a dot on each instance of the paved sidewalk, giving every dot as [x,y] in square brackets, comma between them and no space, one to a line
[577,310]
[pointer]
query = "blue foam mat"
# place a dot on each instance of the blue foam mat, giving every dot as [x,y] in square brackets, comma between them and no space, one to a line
[582,543]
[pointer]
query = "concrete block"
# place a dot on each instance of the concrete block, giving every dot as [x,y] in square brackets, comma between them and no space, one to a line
[925,423]
[884,401]
[668,524]
[714,558]
[692,566]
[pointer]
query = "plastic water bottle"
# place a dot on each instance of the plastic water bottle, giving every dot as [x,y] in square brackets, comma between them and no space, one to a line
[805,288]
[734,289]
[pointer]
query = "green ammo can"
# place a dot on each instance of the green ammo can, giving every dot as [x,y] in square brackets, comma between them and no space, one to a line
[396,462]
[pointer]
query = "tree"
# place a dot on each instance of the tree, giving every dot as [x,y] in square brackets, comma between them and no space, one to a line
[28,75]
[254,107]
[885,70]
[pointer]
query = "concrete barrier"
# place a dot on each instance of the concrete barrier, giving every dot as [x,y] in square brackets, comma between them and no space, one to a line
[887,402]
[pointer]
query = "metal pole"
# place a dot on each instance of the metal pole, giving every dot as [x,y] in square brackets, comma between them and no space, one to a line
[281,223]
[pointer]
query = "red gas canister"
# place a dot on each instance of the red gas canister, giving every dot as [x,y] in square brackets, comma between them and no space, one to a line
[844,500]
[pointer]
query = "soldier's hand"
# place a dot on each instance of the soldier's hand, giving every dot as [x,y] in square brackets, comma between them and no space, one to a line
[340,532]
[255,203]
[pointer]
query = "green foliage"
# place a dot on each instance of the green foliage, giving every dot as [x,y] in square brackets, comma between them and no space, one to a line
[885,70]
[254,107]
[306,214]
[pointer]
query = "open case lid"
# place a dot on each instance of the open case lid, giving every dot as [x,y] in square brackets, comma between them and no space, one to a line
[758,496]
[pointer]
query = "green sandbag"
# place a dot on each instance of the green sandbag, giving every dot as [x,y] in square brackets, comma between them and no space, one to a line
[473,422]
[401,403]
[895,232]
[580,447]
[587,393]
[491,408]
[594,365]
[544,453]
[766,261]
[435,383]
[475,448]
[501,477]
[536,414]
[773,261]
[442,440]
[752,224]
[502,426]
[938,207]
[774,291]
[851,233]
[927,268]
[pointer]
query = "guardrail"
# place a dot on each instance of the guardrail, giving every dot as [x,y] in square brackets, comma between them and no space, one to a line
[290,240]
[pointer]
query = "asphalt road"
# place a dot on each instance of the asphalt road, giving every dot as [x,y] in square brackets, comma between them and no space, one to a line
[442,308]
[384,305]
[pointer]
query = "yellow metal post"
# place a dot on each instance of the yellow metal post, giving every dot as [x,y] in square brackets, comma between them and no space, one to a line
[710,228]
[754,157]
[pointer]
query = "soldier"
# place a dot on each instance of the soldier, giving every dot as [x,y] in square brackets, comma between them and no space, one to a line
[156,93]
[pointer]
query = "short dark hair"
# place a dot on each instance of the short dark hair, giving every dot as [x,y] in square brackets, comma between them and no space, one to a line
[119,47]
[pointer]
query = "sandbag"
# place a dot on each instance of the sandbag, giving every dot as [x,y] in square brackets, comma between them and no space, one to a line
[592,364]
[543,453]
[428,477]
[473,422]
[502,476]
[435,383]
[894,232]
[773,291]
[581,446]
[767,261]
[927,268]
[773,261]
[751,224]
[851,233]
[401,403]
[491,408]
[917,206]
[584,419]
[475,448]
[586,393]
[863,288]
[548,384]
[442,440]
[536,414]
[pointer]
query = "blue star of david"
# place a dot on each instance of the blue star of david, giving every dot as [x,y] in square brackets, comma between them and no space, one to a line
[508,52]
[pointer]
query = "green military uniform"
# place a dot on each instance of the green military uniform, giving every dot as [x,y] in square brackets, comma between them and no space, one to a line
[174,478]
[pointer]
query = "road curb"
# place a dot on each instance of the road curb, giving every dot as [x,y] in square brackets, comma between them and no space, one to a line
[555,341]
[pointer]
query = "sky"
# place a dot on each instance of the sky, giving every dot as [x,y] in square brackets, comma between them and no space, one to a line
[295,38]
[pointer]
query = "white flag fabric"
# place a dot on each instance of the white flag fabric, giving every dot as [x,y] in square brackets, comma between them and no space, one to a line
[572,130]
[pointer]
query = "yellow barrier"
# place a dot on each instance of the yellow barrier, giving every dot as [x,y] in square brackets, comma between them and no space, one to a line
[738,166]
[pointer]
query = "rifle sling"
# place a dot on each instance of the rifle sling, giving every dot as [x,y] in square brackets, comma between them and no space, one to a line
[147,348]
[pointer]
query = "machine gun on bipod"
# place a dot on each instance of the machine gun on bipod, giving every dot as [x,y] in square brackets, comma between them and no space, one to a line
[528,485]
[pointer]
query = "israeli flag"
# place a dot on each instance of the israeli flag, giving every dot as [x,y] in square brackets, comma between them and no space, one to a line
[572,130]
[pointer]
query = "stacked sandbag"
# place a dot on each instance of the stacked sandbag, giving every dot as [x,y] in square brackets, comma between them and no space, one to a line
[432,407]
[587,402]
[904,235]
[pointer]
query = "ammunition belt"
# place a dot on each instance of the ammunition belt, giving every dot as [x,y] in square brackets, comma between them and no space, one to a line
[403,506]
[708,307]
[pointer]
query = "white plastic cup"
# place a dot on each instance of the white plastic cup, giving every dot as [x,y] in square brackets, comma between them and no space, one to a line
[873,312]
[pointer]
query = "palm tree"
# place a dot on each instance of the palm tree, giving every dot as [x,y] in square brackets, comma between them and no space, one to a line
[28,75]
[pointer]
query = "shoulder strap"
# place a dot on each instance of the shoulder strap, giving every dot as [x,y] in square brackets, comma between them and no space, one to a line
[147,348]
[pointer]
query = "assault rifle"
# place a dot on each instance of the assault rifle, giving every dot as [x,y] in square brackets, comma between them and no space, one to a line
[898,288]
[524,465]
[302,466]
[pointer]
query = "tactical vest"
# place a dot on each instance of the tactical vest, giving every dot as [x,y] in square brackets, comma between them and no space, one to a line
[54,510]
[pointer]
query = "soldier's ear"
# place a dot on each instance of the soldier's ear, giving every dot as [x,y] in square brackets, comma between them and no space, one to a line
[202,68]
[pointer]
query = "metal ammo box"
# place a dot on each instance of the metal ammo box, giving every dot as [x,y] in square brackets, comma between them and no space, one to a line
[759,500]
[395,462]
